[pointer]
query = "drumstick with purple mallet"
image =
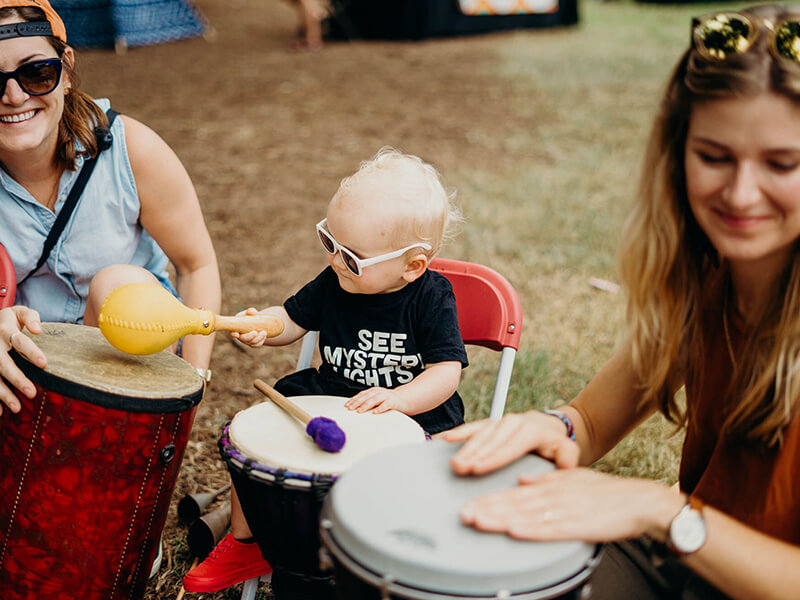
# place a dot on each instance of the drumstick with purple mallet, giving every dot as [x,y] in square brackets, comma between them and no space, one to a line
[324,431]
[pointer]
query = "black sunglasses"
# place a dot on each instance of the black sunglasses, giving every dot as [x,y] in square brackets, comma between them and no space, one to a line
[721,35]
[36,78]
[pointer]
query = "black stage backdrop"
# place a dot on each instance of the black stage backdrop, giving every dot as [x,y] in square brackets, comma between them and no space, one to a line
[420,19]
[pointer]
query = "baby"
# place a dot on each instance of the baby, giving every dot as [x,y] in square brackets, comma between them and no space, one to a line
[388,329]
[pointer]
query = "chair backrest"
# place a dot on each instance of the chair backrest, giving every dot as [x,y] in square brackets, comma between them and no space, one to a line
[489,315]
[489,310]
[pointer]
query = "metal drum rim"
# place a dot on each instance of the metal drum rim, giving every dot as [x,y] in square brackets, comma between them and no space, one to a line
[253,468]
[408,592]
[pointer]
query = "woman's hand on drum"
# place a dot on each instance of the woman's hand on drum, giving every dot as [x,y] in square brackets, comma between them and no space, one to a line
[12,321]
[378,400]
[491,444]
[577,504]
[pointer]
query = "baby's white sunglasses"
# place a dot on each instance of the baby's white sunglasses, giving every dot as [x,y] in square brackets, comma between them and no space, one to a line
[354,264]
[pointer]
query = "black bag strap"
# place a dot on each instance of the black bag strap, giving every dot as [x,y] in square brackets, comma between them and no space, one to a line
[104,142]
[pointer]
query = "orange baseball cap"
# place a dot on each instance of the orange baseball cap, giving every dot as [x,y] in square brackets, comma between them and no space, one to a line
[53,26]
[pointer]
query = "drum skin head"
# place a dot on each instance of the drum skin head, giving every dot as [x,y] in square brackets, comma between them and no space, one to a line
[268,435]
[396,514]
[81,355]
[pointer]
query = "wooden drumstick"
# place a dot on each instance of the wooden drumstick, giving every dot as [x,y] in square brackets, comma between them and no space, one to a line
[144,318]
[324,431]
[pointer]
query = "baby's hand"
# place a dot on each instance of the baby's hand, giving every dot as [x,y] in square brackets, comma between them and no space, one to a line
[254,338]
[377,399]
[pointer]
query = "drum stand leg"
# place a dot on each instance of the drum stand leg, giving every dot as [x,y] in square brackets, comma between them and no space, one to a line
[249,589]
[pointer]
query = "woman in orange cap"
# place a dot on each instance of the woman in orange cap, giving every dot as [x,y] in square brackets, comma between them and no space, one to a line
[137,212]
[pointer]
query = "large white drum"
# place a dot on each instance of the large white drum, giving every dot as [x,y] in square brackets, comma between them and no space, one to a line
[393,529]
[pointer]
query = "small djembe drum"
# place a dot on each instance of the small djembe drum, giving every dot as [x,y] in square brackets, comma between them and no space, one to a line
[282,477]
[89,465]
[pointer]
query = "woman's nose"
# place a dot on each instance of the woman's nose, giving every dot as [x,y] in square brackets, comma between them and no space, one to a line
[13,94]
[744,188]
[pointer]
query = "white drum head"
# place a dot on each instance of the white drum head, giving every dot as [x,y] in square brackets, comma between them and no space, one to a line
[396,513]
[268,435]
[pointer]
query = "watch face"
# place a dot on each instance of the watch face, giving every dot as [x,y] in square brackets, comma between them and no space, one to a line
[687,532]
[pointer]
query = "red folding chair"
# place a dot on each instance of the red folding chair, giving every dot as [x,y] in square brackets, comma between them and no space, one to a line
[8,279]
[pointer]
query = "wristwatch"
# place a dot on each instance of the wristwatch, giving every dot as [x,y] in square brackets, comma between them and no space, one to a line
[687,531]
[205,374]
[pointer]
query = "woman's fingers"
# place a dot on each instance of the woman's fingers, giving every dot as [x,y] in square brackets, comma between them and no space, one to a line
[497,444]
[11,375]
[573,504]
[12,321]
[462,432]
[492,444]
[27,348]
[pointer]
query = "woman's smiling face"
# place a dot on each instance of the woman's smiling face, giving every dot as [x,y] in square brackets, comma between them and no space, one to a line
[28,123]
[743,176]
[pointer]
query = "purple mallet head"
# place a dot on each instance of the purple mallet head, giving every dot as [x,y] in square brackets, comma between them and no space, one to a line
[326,434]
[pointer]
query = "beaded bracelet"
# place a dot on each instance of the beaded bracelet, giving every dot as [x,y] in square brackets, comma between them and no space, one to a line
[562,416]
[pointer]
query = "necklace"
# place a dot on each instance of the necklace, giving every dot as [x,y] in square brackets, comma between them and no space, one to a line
[727,333]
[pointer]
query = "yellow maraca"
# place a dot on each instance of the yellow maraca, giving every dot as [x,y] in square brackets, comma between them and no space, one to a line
[144,318]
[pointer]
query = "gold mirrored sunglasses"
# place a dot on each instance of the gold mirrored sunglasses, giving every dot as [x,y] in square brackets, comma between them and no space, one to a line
[721,35]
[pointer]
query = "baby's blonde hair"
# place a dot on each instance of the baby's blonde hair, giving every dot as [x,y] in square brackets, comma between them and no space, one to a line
[410,192]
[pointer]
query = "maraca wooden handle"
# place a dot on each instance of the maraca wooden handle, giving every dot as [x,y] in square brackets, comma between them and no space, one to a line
[282,401]
[272,325]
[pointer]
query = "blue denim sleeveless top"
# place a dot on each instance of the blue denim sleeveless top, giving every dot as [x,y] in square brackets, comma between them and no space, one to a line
[103,230]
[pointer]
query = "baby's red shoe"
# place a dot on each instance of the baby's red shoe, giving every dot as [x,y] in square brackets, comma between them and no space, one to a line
[230,562]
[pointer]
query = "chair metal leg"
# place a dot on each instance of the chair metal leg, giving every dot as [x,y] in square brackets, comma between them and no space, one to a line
[306,350]
[250,588]
[502,383]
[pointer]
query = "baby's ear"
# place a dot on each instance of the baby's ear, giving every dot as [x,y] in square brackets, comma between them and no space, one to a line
[415,267]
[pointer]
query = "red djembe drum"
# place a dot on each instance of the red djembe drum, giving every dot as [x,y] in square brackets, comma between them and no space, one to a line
[89,466]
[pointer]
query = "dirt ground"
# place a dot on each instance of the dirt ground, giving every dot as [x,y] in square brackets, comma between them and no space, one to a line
[266,134]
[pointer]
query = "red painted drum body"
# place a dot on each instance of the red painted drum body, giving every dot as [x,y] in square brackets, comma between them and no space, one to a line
[89,465]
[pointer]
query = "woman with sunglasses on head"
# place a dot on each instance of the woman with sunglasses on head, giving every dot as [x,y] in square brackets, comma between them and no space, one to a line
[137,212]
[710,258]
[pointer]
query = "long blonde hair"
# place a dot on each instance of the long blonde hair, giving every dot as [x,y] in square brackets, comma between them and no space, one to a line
[81,115]
[667,262]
